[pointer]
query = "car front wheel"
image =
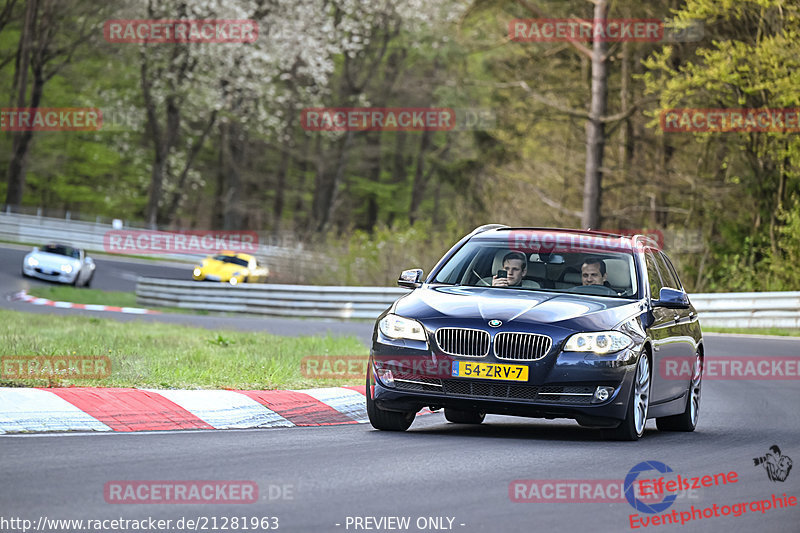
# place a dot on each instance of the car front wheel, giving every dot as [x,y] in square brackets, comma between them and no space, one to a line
[686,421]
[386,420]
[636,413]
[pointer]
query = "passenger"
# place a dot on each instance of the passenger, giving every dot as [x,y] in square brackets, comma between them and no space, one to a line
[516,265]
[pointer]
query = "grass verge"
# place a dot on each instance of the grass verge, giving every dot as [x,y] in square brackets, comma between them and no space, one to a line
[757,331]
[67,293]
[165,356]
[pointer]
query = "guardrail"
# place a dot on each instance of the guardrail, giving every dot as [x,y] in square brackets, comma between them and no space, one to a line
[733,310]
[748,309]
[268,299]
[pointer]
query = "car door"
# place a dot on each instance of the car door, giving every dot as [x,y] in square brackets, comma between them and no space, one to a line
[664,332]
[686,319]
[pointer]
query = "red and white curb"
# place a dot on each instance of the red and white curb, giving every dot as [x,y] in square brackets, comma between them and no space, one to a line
[31,410]
[25,297]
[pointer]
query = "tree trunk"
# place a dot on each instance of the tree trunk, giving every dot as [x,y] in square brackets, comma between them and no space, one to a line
[280,191]
[21,140]
[233,197]
[595,127]
[398,168]
[418,188]
[299,200]
[373,160]
[218,209]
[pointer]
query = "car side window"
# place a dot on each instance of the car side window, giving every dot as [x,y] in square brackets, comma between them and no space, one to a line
[667,279]
[653,276]
[668,275]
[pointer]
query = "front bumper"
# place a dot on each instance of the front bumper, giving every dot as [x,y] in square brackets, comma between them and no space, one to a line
[50,274]
[561,385]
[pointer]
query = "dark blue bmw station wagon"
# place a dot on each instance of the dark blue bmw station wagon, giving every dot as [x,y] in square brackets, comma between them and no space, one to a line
[544,323]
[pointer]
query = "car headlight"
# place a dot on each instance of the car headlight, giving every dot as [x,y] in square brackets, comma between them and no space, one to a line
[397,327]
[197,271]
[600,342]
[32,261]
[66,269]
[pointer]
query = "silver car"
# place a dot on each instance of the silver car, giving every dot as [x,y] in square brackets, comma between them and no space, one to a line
[61,263]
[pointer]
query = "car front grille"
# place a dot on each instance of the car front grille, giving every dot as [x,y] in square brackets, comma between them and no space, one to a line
[489,390]
[462,341]
[573,395]
[521,346]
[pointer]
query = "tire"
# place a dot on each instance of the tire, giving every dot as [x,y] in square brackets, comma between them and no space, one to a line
[89,281]
[464,417]
[387,420]
[687,420]
[633,426]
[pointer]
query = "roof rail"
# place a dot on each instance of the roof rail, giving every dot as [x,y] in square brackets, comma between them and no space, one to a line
[486,227]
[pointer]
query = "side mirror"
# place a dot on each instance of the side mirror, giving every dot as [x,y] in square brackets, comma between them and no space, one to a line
[411,279]
[35,249]
[672,299]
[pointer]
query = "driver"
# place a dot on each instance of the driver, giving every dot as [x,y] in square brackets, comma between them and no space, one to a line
[593,272]
[516,265]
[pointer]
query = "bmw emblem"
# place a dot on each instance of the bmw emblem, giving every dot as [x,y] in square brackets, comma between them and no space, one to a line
[495,323]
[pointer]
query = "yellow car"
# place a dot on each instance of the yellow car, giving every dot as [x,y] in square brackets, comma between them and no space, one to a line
[231,267]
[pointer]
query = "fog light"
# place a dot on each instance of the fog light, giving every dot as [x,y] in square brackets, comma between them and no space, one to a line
[602,394]
[386,377]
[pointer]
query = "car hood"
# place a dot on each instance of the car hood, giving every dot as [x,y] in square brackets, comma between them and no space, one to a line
[520,307]
[53,260]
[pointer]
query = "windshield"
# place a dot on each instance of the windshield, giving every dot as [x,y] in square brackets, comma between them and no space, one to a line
[231,259]
[481,262]
[59,249]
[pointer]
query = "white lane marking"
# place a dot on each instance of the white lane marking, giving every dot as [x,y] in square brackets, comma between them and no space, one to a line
[27,409]
[135,310]
[224,409]
[346,401]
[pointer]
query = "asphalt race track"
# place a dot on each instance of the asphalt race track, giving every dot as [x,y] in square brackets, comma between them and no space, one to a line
[335,478]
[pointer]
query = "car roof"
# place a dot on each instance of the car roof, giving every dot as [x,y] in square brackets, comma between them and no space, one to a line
[641,239]
[235,254]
